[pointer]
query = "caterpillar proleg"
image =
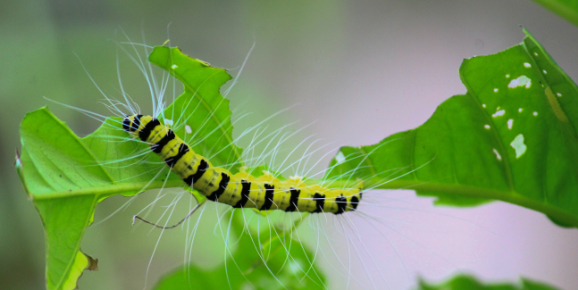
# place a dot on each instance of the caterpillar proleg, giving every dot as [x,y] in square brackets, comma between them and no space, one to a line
[240,190]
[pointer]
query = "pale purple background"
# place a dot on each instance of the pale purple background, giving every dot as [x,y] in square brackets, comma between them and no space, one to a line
[358,70]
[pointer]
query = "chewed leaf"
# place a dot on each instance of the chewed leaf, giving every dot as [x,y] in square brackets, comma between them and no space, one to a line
[201,111]
[466,282]
[66,176]
[512,137]
[81,262]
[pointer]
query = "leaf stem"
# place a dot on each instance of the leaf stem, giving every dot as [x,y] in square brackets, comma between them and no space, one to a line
[467,191]
[116,188]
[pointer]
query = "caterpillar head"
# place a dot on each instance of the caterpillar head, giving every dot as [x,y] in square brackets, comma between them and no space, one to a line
[131,123]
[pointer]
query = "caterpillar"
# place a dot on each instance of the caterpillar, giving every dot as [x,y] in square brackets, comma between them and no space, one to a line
[241,190]
[335,237]
[340,239]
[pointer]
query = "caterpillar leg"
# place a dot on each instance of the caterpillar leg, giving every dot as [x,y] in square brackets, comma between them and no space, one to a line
[134,218]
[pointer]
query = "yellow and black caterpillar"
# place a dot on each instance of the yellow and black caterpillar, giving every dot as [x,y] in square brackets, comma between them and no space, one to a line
[240,190]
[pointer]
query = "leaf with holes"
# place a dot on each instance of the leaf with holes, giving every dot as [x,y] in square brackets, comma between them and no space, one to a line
[511,137]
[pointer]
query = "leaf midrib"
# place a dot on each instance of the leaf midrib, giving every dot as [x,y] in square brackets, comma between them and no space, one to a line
[513,196]
[116,188]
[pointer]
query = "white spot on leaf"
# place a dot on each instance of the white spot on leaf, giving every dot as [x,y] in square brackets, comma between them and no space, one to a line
[498,156]
[499,113]
[483,105]
[535,53]
[544,71]
[495,90]
[169,122]
[508,76]
[527,64]
[188,129]
[521,81]
[510,123]
[535,113]
[340,158]
[174,66]
[558,94]
[487,126]
[520,110]
[518,145]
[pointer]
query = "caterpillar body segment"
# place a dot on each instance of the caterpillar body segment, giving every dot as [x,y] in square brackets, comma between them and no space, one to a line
[240,190]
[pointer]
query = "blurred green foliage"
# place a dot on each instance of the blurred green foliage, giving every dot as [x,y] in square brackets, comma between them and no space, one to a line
[288,266]
[467,282]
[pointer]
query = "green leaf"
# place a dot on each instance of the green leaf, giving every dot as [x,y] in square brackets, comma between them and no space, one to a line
[66,176]
[467,282]
[288,266]
[511,137]
[567,9]
[56,180]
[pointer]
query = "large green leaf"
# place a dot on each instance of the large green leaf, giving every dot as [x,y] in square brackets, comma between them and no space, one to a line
[466,282]
[283,263]
[511,137]
[66,176]
[565,8]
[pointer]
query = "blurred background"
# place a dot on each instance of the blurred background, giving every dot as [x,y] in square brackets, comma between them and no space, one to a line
[355,72]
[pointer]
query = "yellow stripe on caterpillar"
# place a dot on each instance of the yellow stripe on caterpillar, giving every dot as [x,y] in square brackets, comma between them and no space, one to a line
[241,190]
